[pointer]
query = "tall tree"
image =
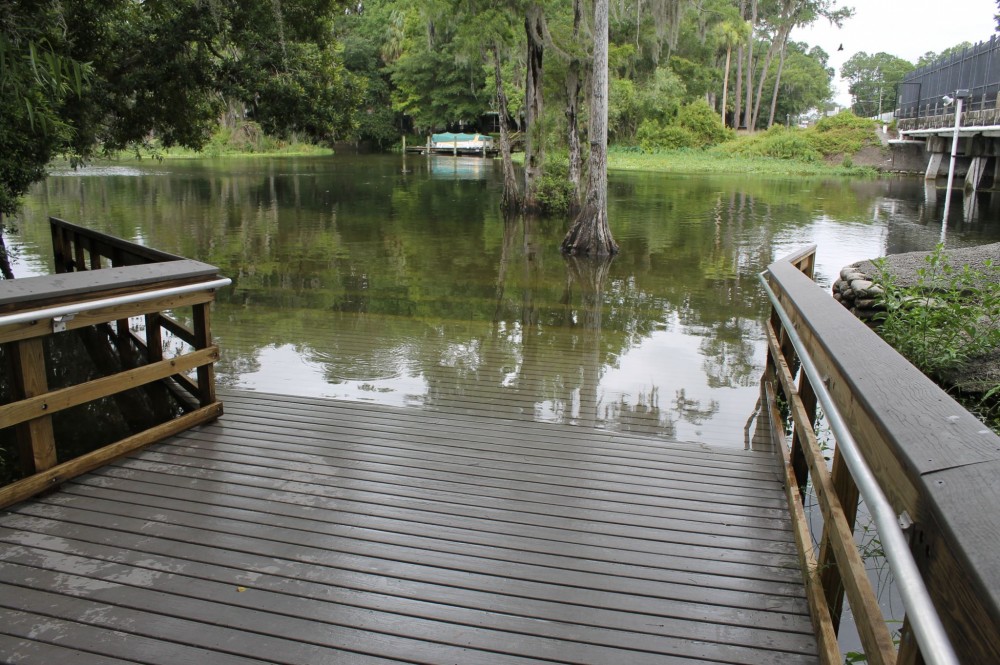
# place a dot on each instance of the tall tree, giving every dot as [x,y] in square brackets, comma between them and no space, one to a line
[590,234]
[164,69]
[511,197]
[748,71]
[731,33]
[574,85]
[872,79]
[534,146]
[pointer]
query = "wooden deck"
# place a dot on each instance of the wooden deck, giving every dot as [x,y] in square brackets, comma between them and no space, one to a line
[308,531]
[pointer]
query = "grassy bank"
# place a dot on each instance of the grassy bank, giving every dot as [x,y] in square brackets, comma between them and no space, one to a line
[246,139]
[710,161]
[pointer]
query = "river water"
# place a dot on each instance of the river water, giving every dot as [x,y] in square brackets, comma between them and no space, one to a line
[396,280]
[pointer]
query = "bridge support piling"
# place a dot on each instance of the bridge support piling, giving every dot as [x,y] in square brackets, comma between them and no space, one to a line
[975,174]
[934,166]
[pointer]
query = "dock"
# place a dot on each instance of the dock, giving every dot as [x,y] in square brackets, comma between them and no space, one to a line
[308,531]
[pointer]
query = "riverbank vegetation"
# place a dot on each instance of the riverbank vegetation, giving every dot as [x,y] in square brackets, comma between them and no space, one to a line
[84,79]
[947,324]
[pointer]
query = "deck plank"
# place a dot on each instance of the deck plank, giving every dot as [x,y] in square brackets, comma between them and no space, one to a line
[313,531]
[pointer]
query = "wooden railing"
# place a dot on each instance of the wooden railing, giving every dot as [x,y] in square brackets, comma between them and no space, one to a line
[935,463]
[103,282]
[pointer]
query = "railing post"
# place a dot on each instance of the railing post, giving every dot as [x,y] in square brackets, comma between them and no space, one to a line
[154,338]
[81,258]
[847,493]
[121,325]
[909,650]
[35,437]
[59,248]
[203,339]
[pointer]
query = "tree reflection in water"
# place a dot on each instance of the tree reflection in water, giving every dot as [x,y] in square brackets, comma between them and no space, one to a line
[356,279]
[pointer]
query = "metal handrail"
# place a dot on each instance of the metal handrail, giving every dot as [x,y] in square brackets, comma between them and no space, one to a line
[90,305]
[935,647]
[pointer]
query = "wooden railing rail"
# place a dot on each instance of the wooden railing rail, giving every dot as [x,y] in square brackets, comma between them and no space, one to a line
[146,285]
[77,248]
[934,462]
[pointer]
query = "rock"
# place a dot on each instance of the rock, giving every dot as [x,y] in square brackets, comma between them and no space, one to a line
[861,285]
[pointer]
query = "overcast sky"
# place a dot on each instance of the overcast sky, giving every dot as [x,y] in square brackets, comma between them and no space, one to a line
[904,28]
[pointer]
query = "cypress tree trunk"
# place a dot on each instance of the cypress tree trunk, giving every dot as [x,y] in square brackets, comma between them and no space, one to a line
[511,198]
[573,84]
[590,234]
[534,29]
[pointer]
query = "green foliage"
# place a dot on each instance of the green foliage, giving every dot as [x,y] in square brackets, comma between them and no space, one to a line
[80,76]
[555,193]
[661,97]
[778,143]
[805,82]
[930,57]
[244,138]
[37,80]
[951,315]
[624,112]
[872,80]
[703,123]
[844,133]
[652,136]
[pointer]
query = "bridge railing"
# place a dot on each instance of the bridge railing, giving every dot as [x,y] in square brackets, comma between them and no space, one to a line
[913,452]
[103,282]
[976,69]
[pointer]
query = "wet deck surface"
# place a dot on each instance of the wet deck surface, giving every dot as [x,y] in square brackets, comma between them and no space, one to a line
[308,531]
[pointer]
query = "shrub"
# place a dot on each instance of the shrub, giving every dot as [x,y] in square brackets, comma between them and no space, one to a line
[703,122]
[653,136]
[555,194]
[844,133]
[950,316]
[659,99]
[777,142]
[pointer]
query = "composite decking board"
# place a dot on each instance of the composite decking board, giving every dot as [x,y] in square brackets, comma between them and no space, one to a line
[454,556]
[537,444]
[561,436]
[419,535]
[627,544]
[476,475]
[670,533]
[46,624]
[569,557]
[175,630]
[483,418]
[443,509]
[501,580]
[31,650]
[473,627]
[525,409]
[569,531]
[467,442]
[425,483]
[360,590]
[299,448]
[388,488]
